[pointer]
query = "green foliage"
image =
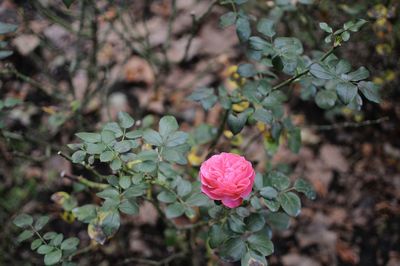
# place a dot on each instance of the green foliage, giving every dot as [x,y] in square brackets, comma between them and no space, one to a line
[147,163]
[6,28]
[54,248]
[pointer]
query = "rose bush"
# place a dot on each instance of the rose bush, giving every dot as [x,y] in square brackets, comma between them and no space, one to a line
[142,164]
[227,177]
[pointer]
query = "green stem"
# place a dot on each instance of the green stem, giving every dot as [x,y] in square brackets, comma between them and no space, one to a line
[305,72]
[86,182]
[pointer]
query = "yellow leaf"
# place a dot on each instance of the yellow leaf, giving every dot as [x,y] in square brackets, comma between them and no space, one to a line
[240,107]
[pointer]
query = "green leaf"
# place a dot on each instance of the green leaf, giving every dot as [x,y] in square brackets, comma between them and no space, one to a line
[26,234]
[360,74]
[70,243]
[168,125]
[242,212]
[255,222]
[290,203]
[227,19]
[278,220]
[342,67]
[36,243]
[129,206]
[125,120]
[268,193]
[205,96]
[152,137]
[294,140]
[174,210]
[346,91]
[325,27]
[123,146]
[247,70]
[236,122]
[216,211]
[263,115]
[106,156]
[288,46]
[326,99]
[184,188]
[78,156]
[11,102]
[53,257]
[111,223]
[321,72]
[252,258]
[89,137]
[45,249]
[166,196]
[49,235]
[125,182]
[305,187]
[135,191]
[370,91]
[23,220]
[345,36]
[236,224]
[277,63]
[261,243]
[233,249]
[95,148]
[4,54]
[114,127]
[41,222]
[7,28]
[272,204]
[56,241]
[198,199]
[85,213]
[266,27]
[278,180]
[176,138]
[134,134]
[116,164]
[216,236]
[107,136]
[68,3]
[109,193]
[243,29]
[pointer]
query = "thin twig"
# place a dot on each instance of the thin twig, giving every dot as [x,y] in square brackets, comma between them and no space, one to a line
[12,70]
[97,174]
[219,134]
[196,23]
[349,124]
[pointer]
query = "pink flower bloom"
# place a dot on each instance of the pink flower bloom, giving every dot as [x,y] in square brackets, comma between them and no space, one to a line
[227,177]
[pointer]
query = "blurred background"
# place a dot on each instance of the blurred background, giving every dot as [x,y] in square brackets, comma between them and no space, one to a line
[72,69]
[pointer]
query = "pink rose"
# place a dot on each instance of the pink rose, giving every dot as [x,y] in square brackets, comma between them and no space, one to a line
[227,177]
